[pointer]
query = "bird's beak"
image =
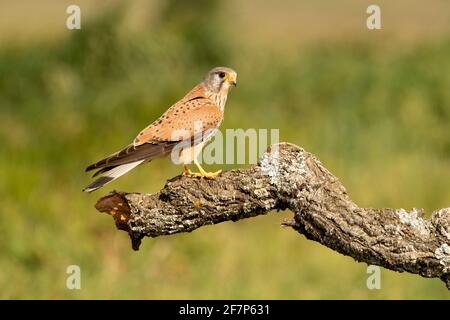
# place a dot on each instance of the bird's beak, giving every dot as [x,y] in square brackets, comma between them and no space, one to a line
[232,80]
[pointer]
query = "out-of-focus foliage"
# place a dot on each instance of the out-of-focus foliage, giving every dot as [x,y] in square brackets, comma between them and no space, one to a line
[379,120]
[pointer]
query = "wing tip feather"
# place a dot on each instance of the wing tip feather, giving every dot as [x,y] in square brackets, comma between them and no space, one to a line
[100,182]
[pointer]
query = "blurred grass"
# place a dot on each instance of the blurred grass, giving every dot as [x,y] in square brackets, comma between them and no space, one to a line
[378,119]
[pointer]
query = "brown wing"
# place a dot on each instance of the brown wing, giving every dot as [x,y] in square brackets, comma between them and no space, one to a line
[186,120]
[134,153]
[193,114]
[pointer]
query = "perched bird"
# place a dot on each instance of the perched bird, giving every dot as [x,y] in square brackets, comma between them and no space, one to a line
[182,131]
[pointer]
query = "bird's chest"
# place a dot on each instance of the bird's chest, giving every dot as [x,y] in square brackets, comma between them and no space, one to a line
[221,100]
[188,154]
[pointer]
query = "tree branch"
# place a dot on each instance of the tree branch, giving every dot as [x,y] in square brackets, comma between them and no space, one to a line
[287,177]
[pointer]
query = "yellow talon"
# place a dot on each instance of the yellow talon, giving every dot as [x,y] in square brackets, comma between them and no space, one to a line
[187,172]
[208,175]
[201,174]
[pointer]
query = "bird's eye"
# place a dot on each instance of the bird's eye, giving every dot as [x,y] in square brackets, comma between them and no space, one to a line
[222,74]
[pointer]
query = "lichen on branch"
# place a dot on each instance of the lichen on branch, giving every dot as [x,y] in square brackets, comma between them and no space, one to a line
[288,177]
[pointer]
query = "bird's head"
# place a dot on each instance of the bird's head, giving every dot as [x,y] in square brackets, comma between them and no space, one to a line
[220,79]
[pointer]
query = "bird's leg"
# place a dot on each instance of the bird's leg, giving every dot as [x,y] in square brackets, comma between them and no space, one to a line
[187,172]
[203,173]
[209,175]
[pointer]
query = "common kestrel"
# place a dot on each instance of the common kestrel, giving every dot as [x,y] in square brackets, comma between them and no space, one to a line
[181,131]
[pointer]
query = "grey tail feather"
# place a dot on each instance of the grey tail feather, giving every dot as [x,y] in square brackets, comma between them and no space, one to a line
[103,170]
[100,182]
[111,173]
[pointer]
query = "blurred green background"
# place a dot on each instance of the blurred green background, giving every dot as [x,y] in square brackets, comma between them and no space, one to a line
[374,106]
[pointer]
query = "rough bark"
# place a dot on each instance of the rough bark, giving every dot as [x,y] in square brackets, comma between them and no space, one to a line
[288,177]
